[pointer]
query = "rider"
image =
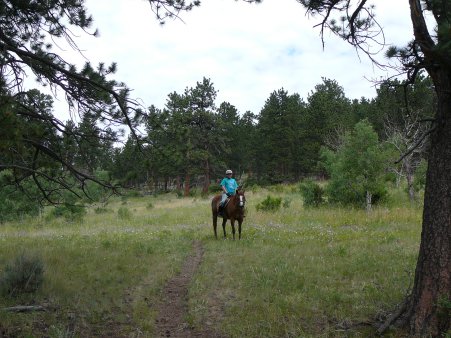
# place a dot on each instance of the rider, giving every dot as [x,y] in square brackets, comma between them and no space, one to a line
[228,186]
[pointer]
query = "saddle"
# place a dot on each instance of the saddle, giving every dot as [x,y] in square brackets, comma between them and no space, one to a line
[222,206]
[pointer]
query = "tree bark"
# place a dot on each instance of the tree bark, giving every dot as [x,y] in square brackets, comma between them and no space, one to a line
[187,184]
[427,314]
[409,177]
[369,199]
[207,177]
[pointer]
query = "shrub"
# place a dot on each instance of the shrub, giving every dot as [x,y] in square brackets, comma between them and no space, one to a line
[71,212]
[270,204]
[149,205]
[24,275]
[124,213]
[312,193]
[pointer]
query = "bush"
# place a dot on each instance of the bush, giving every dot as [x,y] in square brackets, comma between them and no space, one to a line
[149,205]
[270,204]
[24,275]
[312,193]
[71,212]
[124,213]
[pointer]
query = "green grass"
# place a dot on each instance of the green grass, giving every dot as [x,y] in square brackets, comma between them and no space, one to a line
[296,273]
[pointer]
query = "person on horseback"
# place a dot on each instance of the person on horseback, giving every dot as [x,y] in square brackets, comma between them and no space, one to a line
[228,186]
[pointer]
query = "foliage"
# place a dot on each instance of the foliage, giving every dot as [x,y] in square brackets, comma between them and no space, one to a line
[33,141]
[23,275]
[96,192]
[357,168]
[278,158]
[269,204]
[328,111]
[419,181]
[17,201]
[70,209]
[312,193]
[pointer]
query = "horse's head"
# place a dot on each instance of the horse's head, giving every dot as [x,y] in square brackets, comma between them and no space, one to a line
[241,199]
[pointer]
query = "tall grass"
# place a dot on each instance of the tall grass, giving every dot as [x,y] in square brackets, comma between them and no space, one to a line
[297,272]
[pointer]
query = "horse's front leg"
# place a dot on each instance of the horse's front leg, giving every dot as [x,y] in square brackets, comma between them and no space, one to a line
[232,220]
[240,220]
[224,221]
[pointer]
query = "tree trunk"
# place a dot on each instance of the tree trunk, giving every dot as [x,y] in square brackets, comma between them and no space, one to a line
[409,177]
[369,201]
[207,177]
[398,179]
[187,184]
[410,187]
[178,183]
[427,312]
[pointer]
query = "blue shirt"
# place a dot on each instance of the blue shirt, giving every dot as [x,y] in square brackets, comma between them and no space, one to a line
[230,185]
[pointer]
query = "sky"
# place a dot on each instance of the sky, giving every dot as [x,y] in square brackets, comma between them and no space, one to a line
[247,50]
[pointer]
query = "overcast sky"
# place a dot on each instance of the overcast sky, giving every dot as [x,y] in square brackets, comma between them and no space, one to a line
[247,50]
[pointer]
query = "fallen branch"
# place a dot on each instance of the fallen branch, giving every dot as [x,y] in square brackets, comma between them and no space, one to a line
[24,308]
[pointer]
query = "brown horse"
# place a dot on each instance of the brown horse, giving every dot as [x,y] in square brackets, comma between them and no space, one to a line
[234,210]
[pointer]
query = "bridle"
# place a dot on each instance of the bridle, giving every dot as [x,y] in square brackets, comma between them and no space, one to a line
[241,200]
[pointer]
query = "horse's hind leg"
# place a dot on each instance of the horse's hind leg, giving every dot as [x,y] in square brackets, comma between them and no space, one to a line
[224,221]
[233,227]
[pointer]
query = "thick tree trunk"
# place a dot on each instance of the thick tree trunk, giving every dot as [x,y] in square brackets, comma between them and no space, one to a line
[427,312]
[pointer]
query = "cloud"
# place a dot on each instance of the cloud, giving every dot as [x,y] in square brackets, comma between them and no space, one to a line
[247,50]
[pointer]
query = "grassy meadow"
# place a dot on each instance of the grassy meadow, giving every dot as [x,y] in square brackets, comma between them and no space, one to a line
[297,272]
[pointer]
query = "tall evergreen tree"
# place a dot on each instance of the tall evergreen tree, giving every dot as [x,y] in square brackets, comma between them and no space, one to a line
[329,112]
[230,137]
[278,136]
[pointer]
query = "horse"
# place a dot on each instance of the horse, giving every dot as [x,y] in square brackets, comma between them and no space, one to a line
[234,210]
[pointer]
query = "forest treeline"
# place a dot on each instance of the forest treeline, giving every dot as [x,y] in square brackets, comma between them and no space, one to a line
[190,141]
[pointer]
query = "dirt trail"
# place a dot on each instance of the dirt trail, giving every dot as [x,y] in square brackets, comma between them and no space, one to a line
[173,310]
